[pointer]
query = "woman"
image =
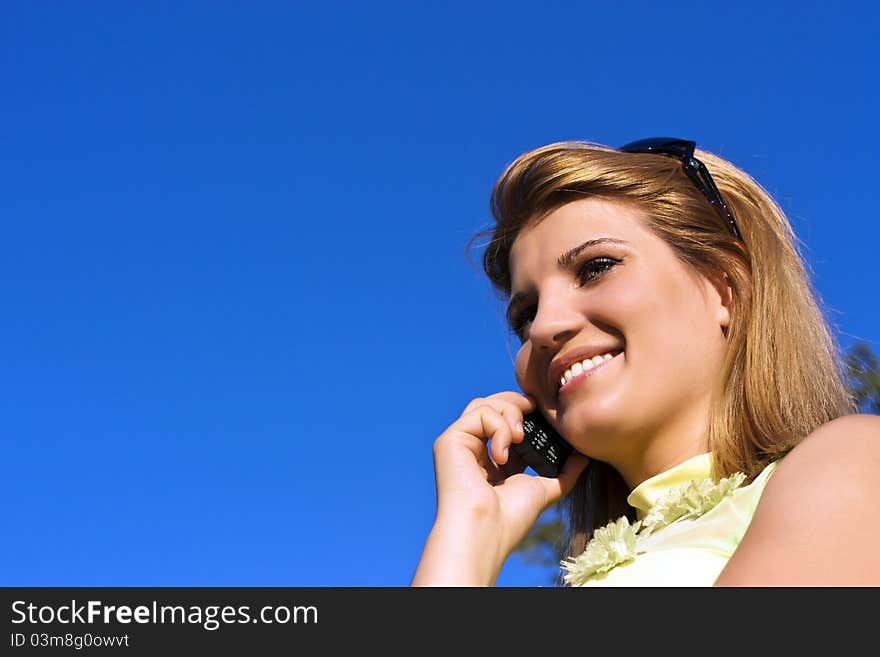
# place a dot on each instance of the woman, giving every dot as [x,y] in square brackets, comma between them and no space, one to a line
[670,334]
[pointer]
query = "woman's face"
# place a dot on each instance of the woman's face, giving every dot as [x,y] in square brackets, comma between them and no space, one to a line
[588,281]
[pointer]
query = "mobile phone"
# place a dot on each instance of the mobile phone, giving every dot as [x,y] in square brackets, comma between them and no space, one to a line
[544,450]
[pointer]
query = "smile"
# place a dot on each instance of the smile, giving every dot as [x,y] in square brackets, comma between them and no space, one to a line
[585,369]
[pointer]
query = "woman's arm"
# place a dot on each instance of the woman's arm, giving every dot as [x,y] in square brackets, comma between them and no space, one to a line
[486,504]
[818,520]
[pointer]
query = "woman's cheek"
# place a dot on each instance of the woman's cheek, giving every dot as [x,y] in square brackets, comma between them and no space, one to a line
[618,298]
[521,367]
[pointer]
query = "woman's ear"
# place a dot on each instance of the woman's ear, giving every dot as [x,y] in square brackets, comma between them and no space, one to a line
[725,293]
[722,298]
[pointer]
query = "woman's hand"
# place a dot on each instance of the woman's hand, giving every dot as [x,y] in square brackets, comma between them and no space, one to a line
[486,504]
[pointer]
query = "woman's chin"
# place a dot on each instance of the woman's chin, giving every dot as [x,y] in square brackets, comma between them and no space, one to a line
[586,424]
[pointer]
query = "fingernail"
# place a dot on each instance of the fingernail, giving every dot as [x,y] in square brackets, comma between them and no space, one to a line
[519,427]
[505,454]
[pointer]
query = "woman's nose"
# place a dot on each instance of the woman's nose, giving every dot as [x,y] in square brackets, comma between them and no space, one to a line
[555,322]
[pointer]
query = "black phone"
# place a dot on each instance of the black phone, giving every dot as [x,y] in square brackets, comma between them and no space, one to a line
[543,449]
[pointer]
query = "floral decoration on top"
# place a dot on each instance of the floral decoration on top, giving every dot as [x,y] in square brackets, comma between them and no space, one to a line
[619,542]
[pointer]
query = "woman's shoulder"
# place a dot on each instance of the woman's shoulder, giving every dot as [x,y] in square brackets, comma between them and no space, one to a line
[840,459]
[834,452]
[858,426]
[817,519]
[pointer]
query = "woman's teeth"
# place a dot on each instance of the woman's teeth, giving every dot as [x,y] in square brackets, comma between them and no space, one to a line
[583,366]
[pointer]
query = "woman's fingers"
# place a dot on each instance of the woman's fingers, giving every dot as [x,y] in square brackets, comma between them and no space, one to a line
[483,422]
[511,406]
[497,428]
[525,403]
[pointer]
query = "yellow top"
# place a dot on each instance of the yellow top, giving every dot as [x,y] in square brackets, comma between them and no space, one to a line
[689,551]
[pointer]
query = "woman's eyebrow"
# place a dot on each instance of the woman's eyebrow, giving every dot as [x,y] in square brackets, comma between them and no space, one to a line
[565,260]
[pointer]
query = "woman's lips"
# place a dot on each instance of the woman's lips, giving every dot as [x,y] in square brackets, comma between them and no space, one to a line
[581,378]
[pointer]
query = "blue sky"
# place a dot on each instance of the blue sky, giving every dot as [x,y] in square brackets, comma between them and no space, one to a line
[237,308]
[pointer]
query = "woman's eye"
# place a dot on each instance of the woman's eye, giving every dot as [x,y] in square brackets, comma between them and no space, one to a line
[522,319]
[595,267]
[590,270]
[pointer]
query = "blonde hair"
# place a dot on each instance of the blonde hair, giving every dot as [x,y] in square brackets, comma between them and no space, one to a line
[783,375]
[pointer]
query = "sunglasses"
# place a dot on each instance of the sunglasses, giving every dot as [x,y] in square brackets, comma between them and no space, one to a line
[683,150]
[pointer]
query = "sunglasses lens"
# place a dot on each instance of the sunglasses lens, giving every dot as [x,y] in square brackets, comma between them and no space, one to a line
[679,148]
